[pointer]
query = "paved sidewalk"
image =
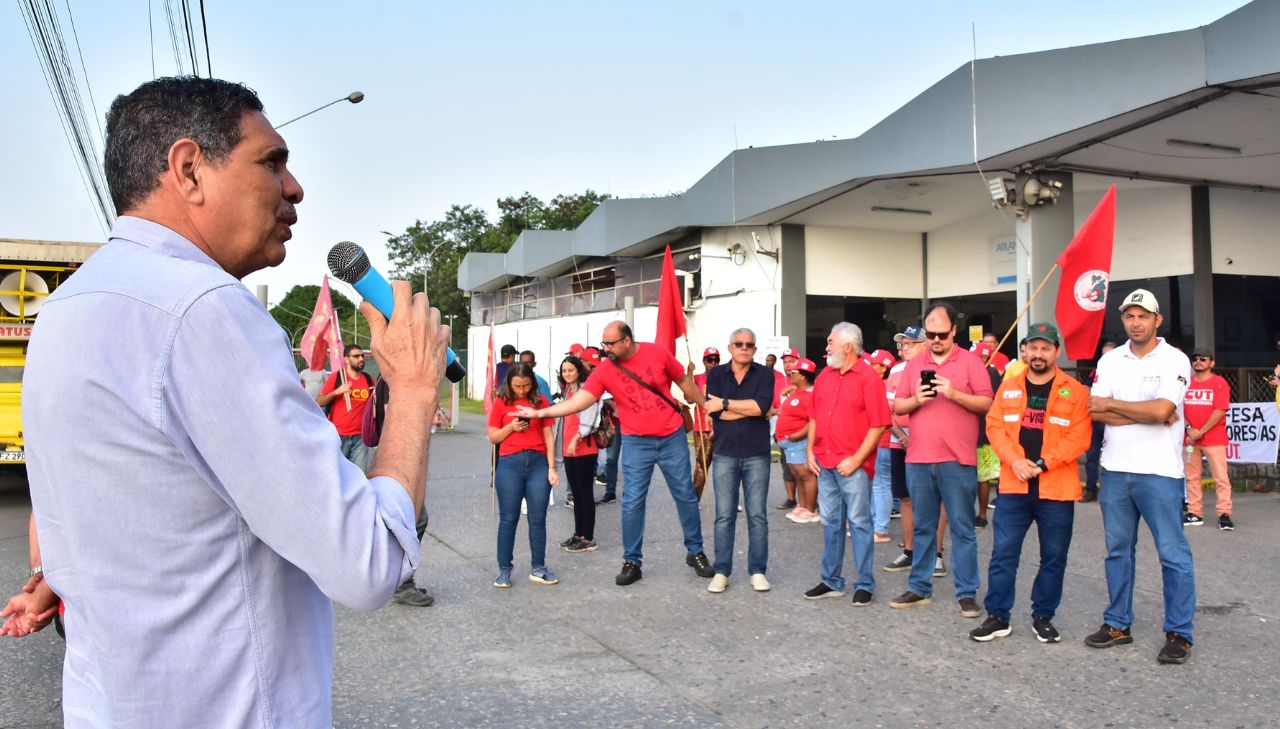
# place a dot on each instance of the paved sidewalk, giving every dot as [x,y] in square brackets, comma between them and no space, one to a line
[664,652]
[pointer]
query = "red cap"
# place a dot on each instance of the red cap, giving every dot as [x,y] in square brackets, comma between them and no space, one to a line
[710,352]
[590,354]
[982,349]
[575,348]
[881,357]
[791,352]
[803,365]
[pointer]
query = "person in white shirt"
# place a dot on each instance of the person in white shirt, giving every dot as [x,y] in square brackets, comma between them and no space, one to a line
[1139,396]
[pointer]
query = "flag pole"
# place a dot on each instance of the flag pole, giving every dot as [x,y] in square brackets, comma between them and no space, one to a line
[342,371]
[701,453]
[1021,314]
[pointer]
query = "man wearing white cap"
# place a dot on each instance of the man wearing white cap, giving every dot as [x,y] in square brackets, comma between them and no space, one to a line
[1139,396]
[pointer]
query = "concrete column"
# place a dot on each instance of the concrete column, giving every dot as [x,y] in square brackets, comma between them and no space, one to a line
[1202,269]
[793,296]
[1042,237]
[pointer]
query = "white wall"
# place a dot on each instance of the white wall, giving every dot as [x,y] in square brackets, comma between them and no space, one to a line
[757,272]
[853,262]
[960,255]
[1245,228]
[1153,230]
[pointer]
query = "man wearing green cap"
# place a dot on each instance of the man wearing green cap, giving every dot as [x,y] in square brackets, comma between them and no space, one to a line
[1038,425]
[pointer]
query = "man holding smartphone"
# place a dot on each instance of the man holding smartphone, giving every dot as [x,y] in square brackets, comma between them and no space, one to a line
[947,388]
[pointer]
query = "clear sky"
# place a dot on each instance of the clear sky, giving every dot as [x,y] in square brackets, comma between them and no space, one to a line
[467,102]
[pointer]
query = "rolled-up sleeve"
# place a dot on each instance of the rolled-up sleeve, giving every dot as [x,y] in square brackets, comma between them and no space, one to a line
[229,398]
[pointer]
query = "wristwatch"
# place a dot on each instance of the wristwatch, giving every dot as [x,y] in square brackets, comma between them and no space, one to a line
[1040,464]
[38,569]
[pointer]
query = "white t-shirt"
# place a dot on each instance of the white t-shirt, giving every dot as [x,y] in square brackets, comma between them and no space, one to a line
[1149,448]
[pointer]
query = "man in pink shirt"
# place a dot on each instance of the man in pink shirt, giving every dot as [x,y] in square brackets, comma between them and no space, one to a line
[1205,408]
[943,391]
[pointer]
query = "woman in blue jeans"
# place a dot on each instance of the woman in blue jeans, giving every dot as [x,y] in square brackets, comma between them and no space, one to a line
[526,472]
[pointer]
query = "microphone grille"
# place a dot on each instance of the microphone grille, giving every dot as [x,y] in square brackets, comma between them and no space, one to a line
[348,262]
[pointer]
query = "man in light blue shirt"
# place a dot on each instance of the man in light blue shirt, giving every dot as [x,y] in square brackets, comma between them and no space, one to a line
[195,513]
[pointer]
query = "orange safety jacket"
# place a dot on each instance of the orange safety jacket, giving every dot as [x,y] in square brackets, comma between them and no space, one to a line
[1067,432]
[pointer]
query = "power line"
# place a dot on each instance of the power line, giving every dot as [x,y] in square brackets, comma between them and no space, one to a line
[204,24]
[97,118]
[151,36]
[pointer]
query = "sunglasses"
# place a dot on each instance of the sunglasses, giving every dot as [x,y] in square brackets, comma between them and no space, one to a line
[1201,358]
[937,335]
[710,359]
[743,345]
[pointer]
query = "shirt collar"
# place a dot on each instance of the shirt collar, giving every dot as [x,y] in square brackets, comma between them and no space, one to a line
[158,238]
[1160,347]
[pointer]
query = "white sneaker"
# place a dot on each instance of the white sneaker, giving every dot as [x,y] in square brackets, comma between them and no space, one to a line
[760,583]
[816,518]
[524,507]
[719,584]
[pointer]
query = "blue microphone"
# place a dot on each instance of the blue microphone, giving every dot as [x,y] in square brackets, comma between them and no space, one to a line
[348,262]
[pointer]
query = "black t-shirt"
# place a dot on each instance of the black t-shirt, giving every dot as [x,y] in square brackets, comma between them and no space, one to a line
[1031,437]
[994,375]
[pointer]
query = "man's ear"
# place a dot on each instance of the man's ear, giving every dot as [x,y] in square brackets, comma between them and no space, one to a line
[186,163]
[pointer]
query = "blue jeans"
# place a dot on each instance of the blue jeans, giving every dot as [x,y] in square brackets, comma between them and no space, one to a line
[354,450]
[841,499]
[671,454]
[522,476]
[882,492]
[1054,521]
[933,486]
[1124,498]
[608,466]
[753,475]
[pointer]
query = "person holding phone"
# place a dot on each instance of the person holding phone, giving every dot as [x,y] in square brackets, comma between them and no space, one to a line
[947,388]
[526,472]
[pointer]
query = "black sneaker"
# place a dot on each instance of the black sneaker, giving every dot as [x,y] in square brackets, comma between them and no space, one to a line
[1044,630]
[940,567]
[1225,523]
[861,598]
[630,573]
[699,563]
[568,503]
[568,542]
[581,545]
[601,480]
[990,629]
[788,504]
[1176,649]
[1189,519]
[822,592]
[606,499]
[979,522]
[410,594]
[895,514]
[1108,636]
[901,563]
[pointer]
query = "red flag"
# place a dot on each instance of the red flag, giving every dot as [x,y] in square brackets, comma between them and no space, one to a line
[670,307]
[490,374]
[316,340]
[1086,276]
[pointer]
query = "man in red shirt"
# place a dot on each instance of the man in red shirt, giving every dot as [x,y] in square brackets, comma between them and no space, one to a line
[358,386]
[640,376]
[703,437]
[943,390]
[1205,408]
[847,413]
[781,388]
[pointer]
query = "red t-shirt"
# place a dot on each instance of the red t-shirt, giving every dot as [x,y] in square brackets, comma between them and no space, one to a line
[844,407]
[890,393]
[532,439]
[348,423]
[640,412]
[701,423]
[941,430]
[780,383]
[586,444]
[793,413]
[1201,400]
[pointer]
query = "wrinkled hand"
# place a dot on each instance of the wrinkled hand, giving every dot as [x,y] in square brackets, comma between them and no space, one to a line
[26,615]
[1025,469]
[410,347]
[943,387]
[524,411]
[847,466]
[1194,435]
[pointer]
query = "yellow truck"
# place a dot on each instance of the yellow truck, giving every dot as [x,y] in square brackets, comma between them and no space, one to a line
[29,271]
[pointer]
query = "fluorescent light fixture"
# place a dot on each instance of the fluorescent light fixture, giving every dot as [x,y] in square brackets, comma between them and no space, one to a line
[909,211]
[1204,146]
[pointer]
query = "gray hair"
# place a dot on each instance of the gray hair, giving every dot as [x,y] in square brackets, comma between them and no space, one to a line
[742,330]
[850,333]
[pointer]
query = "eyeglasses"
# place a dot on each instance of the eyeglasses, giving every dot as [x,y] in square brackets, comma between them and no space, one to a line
[1201,358]
[743,345]
[606,344]
[937,335]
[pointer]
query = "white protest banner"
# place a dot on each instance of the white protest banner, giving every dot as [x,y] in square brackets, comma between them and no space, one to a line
[1252,432]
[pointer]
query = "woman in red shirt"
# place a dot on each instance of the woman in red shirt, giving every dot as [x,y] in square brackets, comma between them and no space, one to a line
[580,453]
[526,471]
[792,431]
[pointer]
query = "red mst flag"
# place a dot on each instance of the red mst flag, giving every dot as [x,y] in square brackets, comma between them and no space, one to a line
[1086,276]
[670,307]
[490,374]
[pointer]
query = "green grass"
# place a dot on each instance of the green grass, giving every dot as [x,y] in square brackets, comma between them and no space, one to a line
[475,407]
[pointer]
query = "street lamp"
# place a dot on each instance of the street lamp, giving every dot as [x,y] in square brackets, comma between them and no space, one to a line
[354,97]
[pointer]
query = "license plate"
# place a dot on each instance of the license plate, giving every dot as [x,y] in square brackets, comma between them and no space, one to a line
[12,456]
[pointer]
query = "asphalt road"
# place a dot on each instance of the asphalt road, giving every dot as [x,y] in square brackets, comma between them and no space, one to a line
[665,652]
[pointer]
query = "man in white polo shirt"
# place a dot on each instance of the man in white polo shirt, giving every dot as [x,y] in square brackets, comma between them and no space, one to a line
[1138,396]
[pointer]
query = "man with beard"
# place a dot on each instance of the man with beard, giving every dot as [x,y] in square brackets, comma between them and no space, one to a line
[1206,405]
[1139,396]
[640,376]
[943,390]
[334,396]
[1038,426]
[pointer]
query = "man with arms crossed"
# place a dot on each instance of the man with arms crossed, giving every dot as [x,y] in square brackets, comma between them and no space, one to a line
[1139,394]
[197,515]
[1039,426]
[652,435]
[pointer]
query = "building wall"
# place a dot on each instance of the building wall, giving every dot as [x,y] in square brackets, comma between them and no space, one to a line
[1245,228]
[1153,230]
[854,262]
[960,255]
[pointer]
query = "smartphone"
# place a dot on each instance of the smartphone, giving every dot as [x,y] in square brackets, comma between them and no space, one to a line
[926,379]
